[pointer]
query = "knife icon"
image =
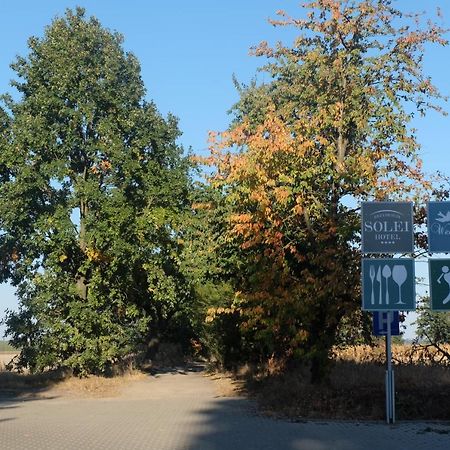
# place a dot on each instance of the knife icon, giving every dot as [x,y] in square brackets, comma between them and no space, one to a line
[378,278]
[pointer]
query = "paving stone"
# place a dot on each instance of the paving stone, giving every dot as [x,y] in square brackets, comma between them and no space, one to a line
[181,411]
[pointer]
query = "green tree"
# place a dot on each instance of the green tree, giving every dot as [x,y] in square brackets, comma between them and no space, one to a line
[93,189]
[433,332]
[209,263]
[328,130]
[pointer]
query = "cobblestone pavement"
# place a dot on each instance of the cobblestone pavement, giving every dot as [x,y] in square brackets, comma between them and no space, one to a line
[181,411]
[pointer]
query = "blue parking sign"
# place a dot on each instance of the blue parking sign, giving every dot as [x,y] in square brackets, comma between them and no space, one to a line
[380,323]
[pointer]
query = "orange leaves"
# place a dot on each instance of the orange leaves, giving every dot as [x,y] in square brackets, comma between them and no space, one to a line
[281,194]
[262,177]
[15,255]
[248,228]
[105,165]
[242,218]
[102,167]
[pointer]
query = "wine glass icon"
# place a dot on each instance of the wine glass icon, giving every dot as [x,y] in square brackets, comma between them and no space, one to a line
[399,275]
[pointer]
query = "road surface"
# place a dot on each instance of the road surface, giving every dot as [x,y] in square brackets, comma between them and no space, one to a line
[181,410]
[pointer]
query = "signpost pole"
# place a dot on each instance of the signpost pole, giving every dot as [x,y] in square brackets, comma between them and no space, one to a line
[390,393]
[387,228]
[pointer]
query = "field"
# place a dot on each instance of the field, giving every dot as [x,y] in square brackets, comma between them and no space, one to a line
[5,358]
[5,347]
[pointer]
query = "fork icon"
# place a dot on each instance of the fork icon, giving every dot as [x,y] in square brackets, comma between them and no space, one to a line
[372,278]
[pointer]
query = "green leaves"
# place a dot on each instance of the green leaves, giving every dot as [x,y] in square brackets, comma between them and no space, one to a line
[93,184]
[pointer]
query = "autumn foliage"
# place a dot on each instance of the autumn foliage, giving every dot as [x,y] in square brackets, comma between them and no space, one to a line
[329,130]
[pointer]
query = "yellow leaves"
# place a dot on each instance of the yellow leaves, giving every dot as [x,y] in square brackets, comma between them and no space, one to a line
[298,209]
[96,255]
[242,218]
[213,313]
[301,336]
[62,258]
[202,205]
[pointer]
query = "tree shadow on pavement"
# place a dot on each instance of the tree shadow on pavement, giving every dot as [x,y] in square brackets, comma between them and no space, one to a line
[24,387]
[179,369]
[231,424]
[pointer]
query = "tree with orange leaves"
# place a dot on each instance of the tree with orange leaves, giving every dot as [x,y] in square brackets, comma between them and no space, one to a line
[329,130]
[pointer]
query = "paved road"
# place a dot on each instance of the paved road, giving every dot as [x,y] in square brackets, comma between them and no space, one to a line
[182,411]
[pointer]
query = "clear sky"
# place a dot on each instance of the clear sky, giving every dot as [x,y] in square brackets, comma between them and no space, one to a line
[189,51]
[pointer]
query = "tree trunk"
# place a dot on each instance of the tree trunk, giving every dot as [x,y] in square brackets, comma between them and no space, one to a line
[81,277]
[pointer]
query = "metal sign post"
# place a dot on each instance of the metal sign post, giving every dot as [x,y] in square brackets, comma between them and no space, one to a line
[390,384]
[388,284]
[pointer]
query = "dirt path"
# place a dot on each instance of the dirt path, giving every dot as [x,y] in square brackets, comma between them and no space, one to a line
[183,409]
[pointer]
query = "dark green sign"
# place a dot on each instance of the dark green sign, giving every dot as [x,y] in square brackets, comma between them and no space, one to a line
[387,227]
[388,284]
[438,221]
[439,273]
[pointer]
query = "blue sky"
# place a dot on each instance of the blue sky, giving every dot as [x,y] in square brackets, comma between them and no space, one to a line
[189,51]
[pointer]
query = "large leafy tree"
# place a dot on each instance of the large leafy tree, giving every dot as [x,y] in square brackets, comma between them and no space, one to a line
[331,128]
[92,188]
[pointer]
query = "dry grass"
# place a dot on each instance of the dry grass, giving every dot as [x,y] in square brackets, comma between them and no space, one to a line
[355,389]
[59,384]
[226,384]
[93,386]
[5,358]
[401,354]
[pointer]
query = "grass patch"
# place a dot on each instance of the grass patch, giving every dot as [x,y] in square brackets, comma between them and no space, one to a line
[94,386]
[60,384]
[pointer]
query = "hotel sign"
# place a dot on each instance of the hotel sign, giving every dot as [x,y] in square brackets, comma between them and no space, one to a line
[387,227]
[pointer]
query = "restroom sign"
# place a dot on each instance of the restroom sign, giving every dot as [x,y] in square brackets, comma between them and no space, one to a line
[439,273]
[387,227]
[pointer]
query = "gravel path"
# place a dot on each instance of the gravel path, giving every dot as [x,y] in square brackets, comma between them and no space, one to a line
[181,410]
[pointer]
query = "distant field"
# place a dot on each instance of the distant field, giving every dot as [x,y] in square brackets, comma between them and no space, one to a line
[5,358]
[7,352]
[5,347]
